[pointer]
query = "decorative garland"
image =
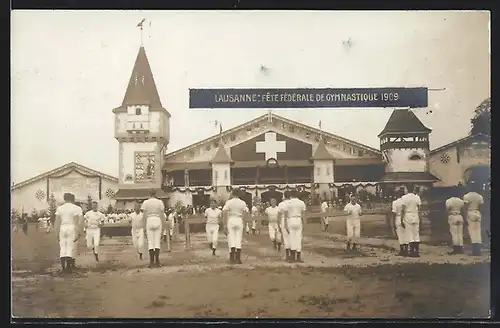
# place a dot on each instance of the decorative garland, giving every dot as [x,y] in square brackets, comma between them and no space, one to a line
[79,172]
[191,189]
[270,187]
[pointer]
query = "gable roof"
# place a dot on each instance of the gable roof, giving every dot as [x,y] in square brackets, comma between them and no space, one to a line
[477,136]
[321,152]
[221,156]
[141,89]
[73,166]
[267,117]
[404,120]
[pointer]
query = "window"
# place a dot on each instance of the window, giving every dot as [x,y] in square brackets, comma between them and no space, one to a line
[207,147]
[191,153]
[415,157]
[327,171]
[225,175]
[216,144]
[233,137]
[318,171]
[360,153]
[138,111]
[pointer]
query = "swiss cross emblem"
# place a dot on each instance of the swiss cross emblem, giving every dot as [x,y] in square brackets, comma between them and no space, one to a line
[270,146]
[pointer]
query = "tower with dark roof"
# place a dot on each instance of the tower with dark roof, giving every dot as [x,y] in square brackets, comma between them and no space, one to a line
[142,129]
[404,143]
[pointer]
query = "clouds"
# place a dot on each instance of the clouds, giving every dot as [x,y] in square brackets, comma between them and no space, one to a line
[70,69]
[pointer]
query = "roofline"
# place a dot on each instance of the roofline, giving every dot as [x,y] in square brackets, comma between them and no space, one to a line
[122,109]
[240,126]
[404,132]
[61,168]
[457,142]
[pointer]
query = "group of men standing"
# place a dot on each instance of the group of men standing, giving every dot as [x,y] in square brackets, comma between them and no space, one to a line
[406,209]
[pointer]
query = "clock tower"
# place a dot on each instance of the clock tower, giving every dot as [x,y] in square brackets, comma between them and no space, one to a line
[142,128]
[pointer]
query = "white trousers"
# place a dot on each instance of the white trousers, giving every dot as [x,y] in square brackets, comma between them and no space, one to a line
[474,220]
[234,232]
[456,222]
[400,231]
[67,235]
[353,229]
[212,231]
[412,227]
[93,238]
[285,235]
[274,232]
[138,239]
[153,231]
[295,236]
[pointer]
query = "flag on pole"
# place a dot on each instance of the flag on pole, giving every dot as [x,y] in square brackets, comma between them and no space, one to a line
[319,124]
[220,130]
[269,116]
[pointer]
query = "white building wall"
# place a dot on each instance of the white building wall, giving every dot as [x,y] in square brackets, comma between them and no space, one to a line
[127,157]
[399,160]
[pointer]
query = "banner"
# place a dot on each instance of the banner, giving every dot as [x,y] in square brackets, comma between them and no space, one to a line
[308,98]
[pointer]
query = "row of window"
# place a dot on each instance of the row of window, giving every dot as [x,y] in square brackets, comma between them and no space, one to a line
[399,139]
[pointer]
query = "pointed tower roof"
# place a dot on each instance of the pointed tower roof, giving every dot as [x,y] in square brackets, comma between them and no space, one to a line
[321,152]
[221,156]
[141,89]
[404,120]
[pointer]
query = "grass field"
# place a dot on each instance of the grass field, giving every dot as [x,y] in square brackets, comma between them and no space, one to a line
[193,283]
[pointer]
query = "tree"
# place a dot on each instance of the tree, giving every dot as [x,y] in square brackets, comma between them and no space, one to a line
[34,215]
[15,214]
[481,121]
[52,208]
[110,208]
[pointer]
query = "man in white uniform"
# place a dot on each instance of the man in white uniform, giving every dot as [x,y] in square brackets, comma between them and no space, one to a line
[353,223]
[68,217]
[397,208]
[324,215]
[171,222]
[93,222]
[234,211]
[295,210]
[284,233]
[137,222]
[473,202]
[411,219]
[154,218]
[255,214]
[454,207]
[213,215]
[272,213]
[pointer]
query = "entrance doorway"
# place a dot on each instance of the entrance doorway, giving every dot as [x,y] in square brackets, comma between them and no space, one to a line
[479,175]
[200,199]
[247,198]
[266,196]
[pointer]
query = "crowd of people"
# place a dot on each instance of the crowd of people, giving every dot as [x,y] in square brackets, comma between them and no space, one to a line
[150,222]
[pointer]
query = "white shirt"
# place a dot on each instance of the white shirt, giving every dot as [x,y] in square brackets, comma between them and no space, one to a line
[93,219]
[354,211]
[324,206]
[474,201]
[411,203]
[235,208]
[397,207]
[255,211]
[213,215]
[454,205]
[294,207]
[69,213]
[153,207]
[273,213]
[136,220]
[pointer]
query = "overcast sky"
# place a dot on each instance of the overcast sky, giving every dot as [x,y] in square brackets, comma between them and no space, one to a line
[70,69]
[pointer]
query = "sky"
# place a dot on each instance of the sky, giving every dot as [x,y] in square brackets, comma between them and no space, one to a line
[69,69]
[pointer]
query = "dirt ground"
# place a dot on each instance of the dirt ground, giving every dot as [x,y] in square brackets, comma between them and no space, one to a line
[194,284]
